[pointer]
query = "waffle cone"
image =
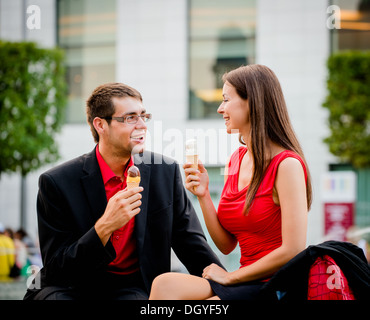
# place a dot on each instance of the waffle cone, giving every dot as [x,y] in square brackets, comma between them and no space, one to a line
[132,182]
[193,159]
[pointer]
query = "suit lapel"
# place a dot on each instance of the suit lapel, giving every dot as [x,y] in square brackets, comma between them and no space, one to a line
[141,218]
[92,182]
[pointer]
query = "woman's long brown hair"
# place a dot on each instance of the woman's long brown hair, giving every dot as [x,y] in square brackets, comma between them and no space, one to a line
[269,118]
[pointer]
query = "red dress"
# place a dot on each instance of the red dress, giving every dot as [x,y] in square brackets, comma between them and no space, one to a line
[259,232]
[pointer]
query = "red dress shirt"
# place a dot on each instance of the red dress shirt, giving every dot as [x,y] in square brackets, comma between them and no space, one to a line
[123,239]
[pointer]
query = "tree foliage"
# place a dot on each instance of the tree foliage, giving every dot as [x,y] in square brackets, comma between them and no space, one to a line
[32,102]
[348,102]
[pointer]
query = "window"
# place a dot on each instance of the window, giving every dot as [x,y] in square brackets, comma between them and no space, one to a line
[87,32]
[222,38]
[355,26]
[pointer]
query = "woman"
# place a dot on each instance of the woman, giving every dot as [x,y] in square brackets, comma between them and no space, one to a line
[266,196]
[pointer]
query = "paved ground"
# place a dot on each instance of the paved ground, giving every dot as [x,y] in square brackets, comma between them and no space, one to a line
[13,289]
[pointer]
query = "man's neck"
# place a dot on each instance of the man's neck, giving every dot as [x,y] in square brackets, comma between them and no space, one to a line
[117,163]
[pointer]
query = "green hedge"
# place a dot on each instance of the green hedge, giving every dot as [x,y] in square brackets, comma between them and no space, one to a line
[348,102]
[32,101]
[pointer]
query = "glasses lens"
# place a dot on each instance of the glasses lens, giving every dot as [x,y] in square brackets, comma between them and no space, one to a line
[146,117]
[132,119]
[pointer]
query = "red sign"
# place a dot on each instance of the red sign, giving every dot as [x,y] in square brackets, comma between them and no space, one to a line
[338,218]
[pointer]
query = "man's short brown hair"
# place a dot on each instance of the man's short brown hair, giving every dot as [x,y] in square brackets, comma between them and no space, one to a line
[100,102]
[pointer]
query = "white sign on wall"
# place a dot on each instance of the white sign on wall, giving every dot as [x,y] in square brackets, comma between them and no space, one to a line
[338,186]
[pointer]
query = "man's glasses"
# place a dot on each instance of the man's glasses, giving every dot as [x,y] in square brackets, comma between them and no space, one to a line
[131,118]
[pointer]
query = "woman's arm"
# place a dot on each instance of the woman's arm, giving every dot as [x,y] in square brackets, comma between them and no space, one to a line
[224,240]
[291,188]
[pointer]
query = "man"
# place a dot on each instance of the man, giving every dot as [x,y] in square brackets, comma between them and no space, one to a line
[99,240]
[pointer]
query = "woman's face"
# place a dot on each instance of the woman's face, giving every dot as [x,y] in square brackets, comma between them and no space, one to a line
[235,111]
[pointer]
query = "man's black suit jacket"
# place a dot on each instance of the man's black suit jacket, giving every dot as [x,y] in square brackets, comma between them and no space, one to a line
[72,198]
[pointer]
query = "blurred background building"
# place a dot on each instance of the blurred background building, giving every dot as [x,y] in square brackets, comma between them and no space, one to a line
[175,52]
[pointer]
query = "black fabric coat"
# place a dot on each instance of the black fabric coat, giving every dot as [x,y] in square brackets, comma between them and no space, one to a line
[291,281]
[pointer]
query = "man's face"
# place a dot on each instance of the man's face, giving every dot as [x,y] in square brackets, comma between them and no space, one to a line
[123,138]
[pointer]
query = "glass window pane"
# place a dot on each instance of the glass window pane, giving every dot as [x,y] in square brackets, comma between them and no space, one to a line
[87,33]
[222,38]
[354,33]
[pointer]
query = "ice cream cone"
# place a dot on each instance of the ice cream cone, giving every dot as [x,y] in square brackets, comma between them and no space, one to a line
[133,177]
[132,182]
[193,159]
[192,154]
